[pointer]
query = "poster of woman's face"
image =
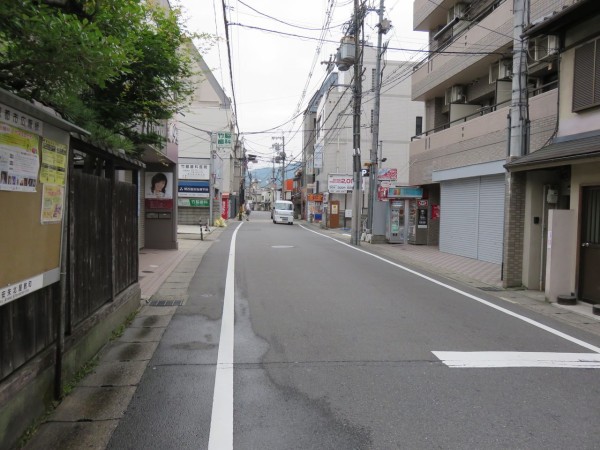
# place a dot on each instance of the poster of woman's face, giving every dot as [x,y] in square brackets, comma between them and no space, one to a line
[159,185]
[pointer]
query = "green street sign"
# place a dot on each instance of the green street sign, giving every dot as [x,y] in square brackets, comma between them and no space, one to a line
[193,202]
[224,139]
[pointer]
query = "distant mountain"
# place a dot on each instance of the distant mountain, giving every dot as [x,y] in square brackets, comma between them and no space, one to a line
[265,174]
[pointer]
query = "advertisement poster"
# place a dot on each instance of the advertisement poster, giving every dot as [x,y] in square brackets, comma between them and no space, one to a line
[52,203]
[54,162]
[159,185]
[19,159]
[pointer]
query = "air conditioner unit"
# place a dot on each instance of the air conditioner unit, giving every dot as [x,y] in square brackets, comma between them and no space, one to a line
[545,47]
[455,94]
[457,11]
[502,70]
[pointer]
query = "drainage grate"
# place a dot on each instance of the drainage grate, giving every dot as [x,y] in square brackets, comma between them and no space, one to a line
[165,303]
[489,288]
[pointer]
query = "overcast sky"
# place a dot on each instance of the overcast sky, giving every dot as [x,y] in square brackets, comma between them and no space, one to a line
[276,72]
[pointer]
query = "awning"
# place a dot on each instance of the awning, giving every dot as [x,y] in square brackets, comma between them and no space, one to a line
[581,10]
[558,153]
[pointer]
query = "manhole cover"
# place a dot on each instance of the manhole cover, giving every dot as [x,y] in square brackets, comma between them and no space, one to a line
[148,271]
[282,246]
[489,288]
[165,302]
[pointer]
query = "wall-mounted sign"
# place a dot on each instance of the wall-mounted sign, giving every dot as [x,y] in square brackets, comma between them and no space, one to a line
[387,174]
[340,184]
[20,120]
[315,197]
[405,192]
[224,139]
[194,202]
[194,171]
[159,203]
[20,289]
[198,189]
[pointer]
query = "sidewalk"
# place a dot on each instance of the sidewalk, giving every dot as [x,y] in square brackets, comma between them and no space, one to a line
[87,417]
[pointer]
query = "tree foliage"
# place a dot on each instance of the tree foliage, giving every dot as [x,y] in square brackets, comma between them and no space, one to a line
[113,67]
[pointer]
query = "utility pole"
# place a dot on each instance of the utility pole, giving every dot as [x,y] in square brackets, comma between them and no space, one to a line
[384,27]
[211,183]
[280,158]
[356,197]
[519,116]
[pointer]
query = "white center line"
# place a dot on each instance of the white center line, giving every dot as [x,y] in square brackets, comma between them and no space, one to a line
[221,421]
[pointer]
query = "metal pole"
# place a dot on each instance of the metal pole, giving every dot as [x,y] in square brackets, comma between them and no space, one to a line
[373,155]
[282,165]
[356,208]
[210,182]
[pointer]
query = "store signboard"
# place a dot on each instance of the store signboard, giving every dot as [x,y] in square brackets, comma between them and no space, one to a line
[387,174]
[197,189]
[405,192]
[193,202]
[194,171]
[340,184]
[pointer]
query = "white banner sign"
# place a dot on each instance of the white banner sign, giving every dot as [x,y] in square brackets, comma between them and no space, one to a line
[340,184]
[194,171]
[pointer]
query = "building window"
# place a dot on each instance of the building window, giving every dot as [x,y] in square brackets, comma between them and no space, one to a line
[419,126]
[586,78]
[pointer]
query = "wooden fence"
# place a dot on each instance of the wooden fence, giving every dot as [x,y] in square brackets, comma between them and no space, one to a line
[102,262]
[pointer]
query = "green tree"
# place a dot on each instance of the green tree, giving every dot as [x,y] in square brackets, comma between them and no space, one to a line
[110,66]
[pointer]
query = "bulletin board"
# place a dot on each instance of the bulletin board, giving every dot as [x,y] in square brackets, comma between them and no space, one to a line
[32,184]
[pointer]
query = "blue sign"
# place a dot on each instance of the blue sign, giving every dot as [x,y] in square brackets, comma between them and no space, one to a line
[405,192]
[193,189]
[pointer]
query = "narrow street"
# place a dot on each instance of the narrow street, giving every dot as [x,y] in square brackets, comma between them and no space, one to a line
[293,340]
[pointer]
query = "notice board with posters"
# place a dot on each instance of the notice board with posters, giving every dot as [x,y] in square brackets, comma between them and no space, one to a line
[33,169]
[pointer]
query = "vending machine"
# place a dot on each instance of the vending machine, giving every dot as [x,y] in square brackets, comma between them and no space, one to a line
[394,232]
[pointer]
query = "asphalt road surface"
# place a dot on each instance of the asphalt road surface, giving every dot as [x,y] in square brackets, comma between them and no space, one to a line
[293,340]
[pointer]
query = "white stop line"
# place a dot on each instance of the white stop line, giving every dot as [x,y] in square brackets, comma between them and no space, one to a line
[519,359]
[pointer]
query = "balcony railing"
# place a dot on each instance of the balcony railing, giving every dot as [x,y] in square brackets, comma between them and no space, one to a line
[533,91]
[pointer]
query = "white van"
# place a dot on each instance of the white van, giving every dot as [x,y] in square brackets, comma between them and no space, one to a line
[283,212]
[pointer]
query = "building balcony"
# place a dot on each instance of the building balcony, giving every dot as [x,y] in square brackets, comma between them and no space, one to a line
[475,49]
[478,138]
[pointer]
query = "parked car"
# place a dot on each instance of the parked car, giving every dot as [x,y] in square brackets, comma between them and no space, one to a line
[283,212]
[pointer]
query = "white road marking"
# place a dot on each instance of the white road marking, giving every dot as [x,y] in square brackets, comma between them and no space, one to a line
[471,296]
[221,421]
[519,359]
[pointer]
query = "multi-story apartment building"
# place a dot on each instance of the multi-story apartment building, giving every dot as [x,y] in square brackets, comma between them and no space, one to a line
[205,129]
[560,179]
[328,128]
[467,84]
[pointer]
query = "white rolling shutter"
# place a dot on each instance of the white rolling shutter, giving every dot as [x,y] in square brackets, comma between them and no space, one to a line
[458,217]
[491,219]
[472,217]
